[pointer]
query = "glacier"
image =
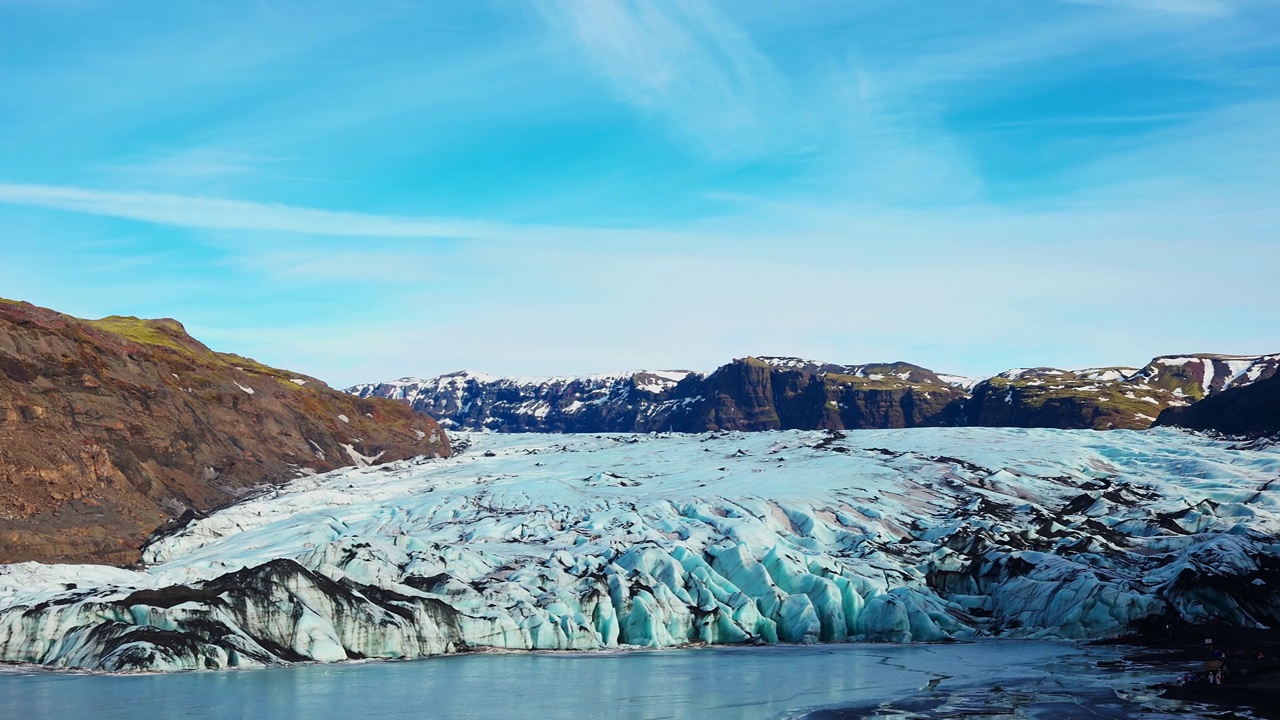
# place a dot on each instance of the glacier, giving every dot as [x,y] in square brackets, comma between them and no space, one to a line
[585,542]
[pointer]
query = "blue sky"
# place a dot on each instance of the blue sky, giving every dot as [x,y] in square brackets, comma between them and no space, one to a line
[565,187]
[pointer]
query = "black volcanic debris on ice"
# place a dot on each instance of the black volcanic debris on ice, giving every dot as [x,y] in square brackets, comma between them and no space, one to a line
[774,393]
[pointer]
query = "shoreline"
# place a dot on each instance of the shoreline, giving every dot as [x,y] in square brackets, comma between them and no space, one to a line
[1247,658]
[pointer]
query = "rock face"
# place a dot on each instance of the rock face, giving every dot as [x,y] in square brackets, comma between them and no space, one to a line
[1248,410]
[767,393]
[110,428]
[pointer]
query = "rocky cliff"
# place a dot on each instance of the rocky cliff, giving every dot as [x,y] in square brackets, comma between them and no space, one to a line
[767,393]
[784,393]
[110,428]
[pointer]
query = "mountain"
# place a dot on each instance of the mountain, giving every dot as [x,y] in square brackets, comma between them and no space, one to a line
[768,393]
[592,403]
[772,393]
[1109,398]
[1246,410]
[112,427]
[531,541]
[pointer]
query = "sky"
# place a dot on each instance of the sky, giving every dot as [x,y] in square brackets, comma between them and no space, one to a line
[366,191]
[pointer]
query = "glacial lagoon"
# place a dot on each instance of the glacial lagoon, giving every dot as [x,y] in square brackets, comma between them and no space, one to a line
[1005,679]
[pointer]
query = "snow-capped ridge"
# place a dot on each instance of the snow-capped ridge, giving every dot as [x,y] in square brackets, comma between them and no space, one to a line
[676,400]
[1207,373]
[802,393]
[479,401]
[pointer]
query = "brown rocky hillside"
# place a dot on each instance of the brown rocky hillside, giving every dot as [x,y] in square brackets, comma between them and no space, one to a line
[110,428]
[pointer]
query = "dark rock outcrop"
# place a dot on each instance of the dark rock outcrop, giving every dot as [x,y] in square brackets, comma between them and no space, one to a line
[110,428]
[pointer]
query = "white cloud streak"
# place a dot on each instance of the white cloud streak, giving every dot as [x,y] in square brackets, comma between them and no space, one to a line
[682,60]
[183,211]
[219,214]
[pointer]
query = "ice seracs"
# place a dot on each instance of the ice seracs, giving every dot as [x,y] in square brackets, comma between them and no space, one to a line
[599,541]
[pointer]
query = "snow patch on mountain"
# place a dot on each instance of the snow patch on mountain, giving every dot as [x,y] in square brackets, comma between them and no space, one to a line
[1111,374]
[960,381]
[1208,373]
[658,381]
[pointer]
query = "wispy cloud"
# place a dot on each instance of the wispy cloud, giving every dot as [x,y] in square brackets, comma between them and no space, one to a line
[683,60]
[219,214]
[1216,8]
[196,212]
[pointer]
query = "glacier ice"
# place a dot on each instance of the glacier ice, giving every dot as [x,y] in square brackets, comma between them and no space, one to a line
[601,541]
